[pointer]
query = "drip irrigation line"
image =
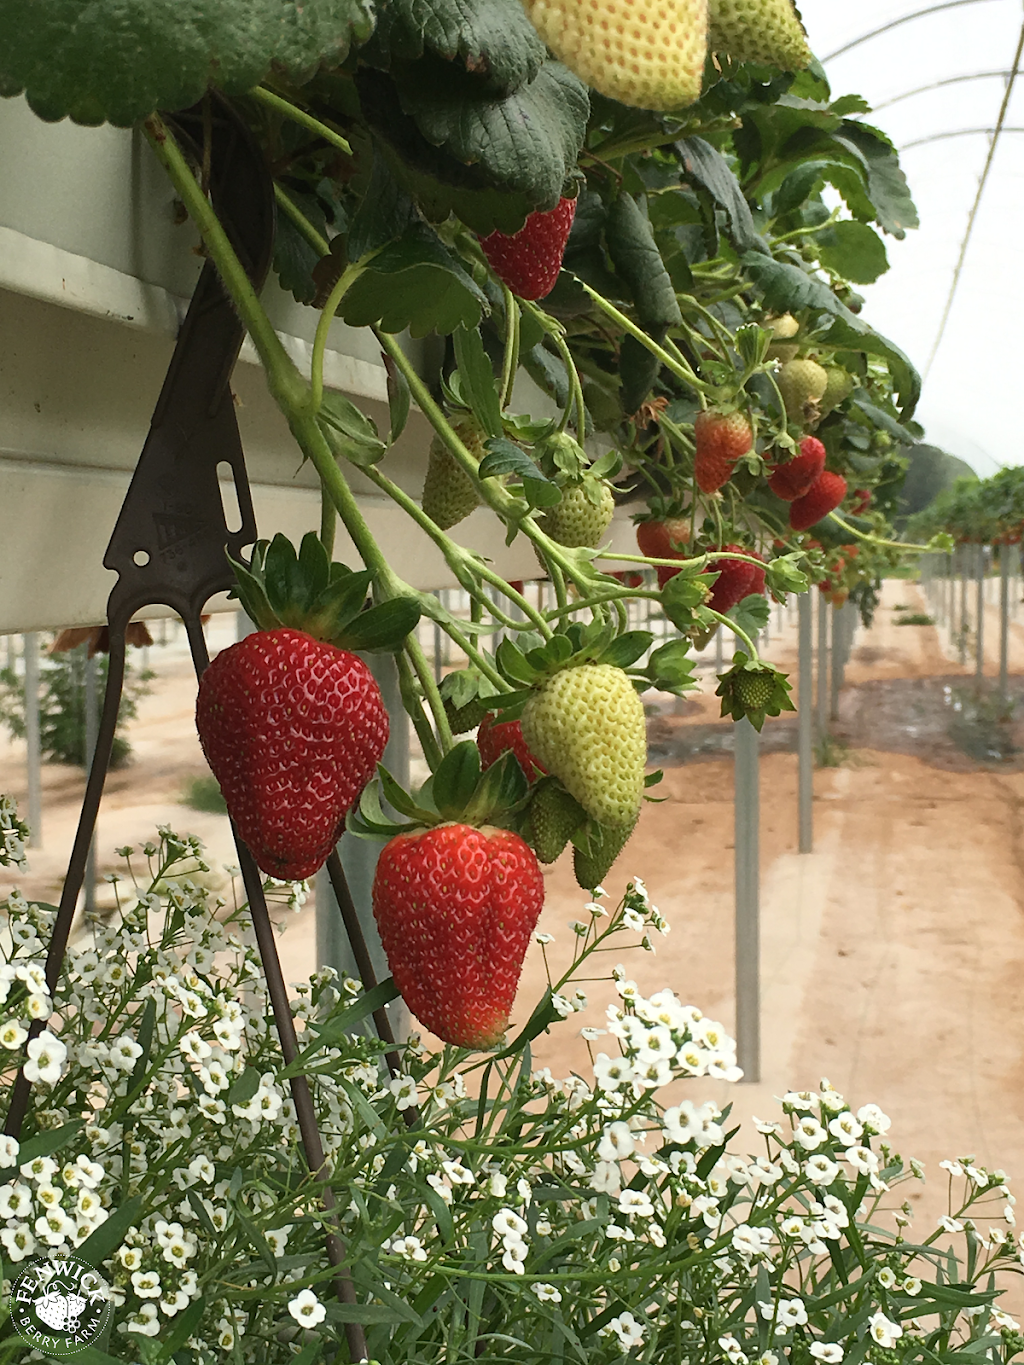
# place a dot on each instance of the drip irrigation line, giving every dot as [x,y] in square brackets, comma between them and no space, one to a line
[958,270]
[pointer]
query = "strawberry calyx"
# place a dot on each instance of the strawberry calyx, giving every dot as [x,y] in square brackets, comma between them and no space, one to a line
[306,592]
[460,791]
[753,689]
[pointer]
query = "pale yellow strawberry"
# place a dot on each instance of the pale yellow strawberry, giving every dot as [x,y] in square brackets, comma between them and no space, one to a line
[645,53]
[802,384]
[586,726]
[449,494]
[783,328]
[583,515]
[767,31]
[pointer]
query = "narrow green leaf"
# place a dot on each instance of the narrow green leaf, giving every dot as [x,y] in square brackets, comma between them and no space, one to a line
[505,457]
[399,399]
[102,1240]
[477,379]
[45,1144]
[245,1087]
[626,649]
[456,779]
[182,1328]
[144,1039]
[384,627]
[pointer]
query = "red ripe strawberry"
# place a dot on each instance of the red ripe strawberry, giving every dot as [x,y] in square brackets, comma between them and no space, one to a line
[664,538]
[792,480]
[734,582]
[757,576]
[516,584]
[721,437]
[629,579]
[824,495]
[861,501]
[293,729]
[529,261]
[497,737]
[455,907]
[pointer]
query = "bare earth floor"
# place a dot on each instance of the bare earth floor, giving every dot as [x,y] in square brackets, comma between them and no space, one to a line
[892,956]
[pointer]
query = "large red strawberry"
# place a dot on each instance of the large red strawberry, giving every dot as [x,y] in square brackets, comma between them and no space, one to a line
[293,729]
[861,501]
[825,494]
[734,582]
[721,438]
[529,260]
[497,737]
[792,480]
[455,907]
[664,538]
[758,577]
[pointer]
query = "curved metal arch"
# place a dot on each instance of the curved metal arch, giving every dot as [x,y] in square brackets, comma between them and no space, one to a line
[895,23]
[956,132]
[938,85]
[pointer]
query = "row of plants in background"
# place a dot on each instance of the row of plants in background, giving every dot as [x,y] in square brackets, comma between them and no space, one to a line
[977,511]
[518,1215]
[645,236]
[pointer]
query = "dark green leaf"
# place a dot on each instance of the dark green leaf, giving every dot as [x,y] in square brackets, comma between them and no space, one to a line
[385,213]
[383,627]
[116,63]
[335,1028]
[887,185]
[709,168]
[854,251]
[752,614]
[505,457]
[46,1143]
[513,663]
[494,41]
[92,1355]
[177,1333]
[415,283]
[542,1017]
[456,778]
[399,399]
[102,1240]
[144,1039]
[476,379]
[350,433]
[502,786]
[638,369]
[637,259]
[626,649]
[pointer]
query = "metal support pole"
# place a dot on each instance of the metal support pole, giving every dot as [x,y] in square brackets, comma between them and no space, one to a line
[1004,621]
[359,859]
[34,757]
[719,661]
[92,729]
[822,665]
[805,727]
[962,551]
[836,677]
[748,984]
[979,661]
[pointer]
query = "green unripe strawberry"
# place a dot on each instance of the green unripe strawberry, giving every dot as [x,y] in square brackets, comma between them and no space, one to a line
[462,719]
[449,494]
[767,31]
[583,515]
[753,690]
[837,389]
[802,383]
[592,862]
[783,328]
[553,818]
[586,726]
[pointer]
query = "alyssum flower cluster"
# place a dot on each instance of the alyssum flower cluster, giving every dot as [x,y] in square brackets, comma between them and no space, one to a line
[488,1209]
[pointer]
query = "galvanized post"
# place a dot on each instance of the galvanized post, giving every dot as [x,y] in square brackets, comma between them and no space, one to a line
[962,551]
[836,677]
[1004,621]
[719,661]
[805,727]
[748,985]
[822,666]
[359,859]
[92,727]
[979,661]
[34,757]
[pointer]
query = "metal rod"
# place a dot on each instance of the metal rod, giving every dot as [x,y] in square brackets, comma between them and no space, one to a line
[747,859]
[979,660]
[836,677]
[34,753]
[805,727]
[91,732]
[302,1098]
[962,634]
[719,660]
[1004,621]
[822,666]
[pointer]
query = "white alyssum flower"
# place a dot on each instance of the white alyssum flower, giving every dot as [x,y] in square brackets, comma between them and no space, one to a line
[306,1309]
[830,1352]
[46,1058]
[882,1330]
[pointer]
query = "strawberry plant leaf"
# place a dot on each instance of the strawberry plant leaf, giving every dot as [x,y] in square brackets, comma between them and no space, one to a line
[505,457]
[626,649]
[494,41]
[709,168]
[887,185]
[476,379]
[314,566]
[383,628]
[853,250]
[111,62]
[399,399]
[637,259]
[513,662]
[502,787]
[752,614]
[417,283]
[670,668]
[350,433]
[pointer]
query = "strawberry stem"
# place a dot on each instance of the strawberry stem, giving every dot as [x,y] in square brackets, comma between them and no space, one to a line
[680,369]
[288,206]
[737,631]
[300,116]
[556,332]
[510,359]
[909,547]
[323,326]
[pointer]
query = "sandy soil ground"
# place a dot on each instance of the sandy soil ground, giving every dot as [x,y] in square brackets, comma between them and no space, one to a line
[892,956]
